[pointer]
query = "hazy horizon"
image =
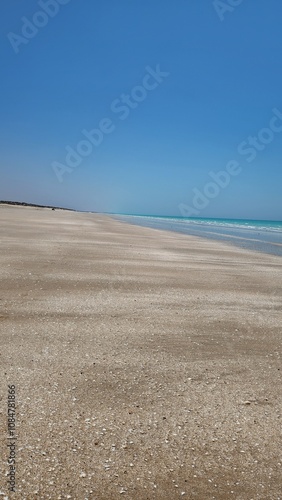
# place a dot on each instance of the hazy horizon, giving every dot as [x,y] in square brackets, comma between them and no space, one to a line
[136,214]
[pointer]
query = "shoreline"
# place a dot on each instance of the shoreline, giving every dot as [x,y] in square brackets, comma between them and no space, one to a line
[252,244]
[239,240]
[146,364]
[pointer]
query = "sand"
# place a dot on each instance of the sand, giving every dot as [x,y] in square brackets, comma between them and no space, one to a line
[147,364]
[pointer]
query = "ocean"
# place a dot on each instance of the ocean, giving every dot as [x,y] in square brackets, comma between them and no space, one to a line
[259,235]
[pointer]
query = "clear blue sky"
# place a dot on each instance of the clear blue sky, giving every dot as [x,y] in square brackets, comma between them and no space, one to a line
[225,78]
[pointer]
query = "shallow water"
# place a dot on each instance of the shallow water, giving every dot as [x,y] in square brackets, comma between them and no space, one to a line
[259,235]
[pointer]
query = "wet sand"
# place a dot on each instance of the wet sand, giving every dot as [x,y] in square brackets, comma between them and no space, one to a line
[147,364]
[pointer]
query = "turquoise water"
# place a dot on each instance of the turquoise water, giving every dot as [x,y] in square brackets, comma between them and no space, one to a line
[260,235]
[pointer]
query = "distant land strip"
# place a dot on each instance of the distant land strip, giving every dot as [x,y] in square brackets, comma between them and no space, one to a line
[24,204]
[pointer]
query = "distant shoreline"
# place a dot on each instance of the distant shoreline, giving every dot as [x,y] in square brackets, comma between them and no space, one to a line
[24,204]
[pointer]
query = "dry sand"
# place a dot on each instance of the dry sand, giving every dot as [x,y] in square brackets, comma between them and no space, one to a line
[147,364]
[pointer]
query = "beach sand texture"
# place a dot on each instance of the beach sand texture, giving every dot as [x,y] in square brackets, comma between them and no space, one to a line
[147,364]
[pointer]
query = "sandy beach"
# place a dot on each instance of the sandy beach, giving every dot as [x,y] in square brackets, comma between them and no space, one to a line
[146,364]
